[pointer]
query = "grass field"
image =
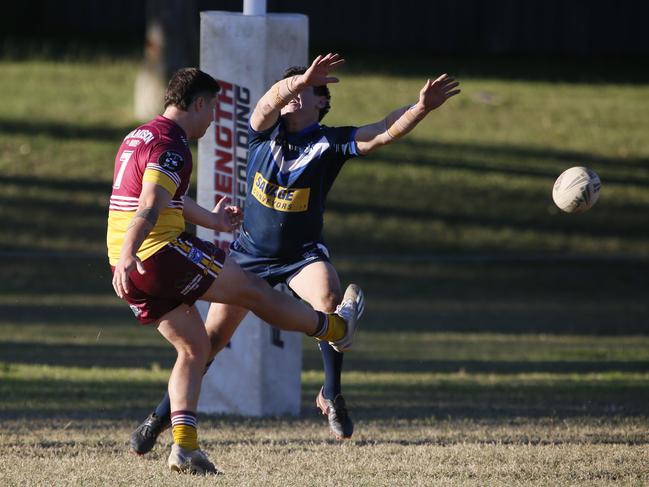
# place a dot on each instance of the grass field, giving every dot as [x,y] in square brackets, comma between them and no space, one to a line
[504,343]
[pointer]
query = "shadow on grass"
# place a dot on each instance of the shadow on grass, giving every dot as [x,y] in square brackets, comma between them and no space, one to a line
[560,297]
[495,158]
[62,130]
[600,298]
[555,399]
[87,225]
[110,399]
[69,315]
[34,212]
[601,226]
[78,399]
[68,185]
[87,355]
[25,273]
[387,364]
[135,356]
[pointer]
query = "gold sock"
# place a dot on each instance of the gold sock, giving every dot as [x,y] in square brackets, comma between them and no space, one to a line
[185,436]
[336,329]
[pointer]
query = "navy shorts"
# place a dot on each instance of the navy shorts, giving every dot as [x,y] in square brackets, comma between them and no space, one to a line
[278,270]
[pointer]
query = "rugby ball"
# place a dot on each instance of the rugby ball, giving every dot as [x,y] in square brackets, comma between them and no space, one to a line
[576,189]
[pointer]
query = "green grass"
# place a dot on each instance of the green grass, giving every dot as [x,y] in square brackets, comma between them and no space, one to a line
[465,373]
[476,365]
[476,176]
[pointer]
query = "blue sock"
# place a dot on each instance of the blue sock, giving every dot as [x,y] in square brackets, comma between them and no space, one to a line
[333,367]
[163,409]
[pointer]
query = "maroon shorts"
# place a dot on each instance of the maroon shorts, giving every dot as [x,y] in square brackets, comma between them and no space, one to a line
[178,273]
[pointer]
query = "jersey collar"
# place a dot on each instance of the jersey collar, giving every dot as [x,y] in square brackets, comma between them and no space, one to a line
[305,131]
[164,119]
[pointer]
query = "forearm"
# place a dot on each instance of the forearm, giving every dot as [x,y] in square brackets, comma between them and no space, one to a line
[278,96]
[138,230]
[395,125]
[403,120]
[196,214]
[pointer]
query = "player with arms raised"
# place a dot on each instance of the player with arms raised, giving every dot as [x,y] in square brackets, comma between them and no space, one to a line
[293,161]
[161,270]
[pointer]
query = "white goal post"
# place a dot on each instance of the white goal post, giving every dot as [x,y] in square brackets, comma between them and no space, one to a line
[258,374]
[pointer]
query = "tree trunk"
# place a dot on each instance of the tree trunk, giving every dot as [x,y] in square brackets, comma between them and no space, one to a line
[172,39]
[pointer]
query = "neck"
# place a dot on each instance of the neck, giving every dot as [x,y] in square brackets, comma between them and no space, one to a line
[294,124]
[180,117]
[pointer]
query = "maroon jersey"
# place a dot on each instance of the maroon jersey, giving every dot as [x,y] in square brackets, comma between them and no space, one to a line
[156,152]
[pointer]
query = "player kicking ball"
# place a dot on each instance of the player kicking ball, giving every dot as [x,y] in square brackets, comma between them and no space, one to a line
[161,270]
[293,162]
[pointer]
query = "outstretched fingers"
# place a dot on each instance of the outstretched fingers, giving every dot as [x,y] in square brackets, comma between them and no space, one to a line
[328,62]
[318,72]
[445,84]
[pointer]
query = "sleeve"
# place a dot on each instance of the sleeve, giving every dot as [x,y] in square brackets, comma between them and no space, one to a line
[343,141]
[164,167]
[255,138]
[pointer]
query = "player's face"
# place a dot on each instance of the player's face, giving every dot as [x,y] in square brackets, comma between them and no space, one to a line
[204,114]
[306,104]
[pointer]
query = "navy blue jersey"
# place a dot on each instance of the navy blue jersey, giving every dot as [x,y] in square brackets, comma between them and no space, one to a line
[288,178]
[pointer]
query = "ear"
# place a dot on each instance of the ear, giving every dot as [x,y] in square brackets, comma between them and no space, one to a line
[322,102]
[199,103]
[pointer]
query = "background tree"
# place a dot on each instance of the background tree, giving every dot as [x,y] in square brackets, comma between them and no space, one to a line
[172,37]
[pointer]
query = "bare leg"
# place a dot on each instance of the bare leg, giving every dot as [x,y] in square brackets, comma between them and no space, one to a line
[240,288]
[319,285]
[184,329]
[221,322]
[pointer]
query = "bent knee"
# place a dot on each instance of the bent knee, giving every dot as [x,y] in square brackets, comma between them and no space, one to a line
[195,352]
[327,302]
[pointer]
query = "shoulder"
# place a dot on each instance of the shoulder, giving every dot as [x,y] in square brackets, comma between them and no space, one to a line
[169,145]
[265,134]
[339,134]
[144,135]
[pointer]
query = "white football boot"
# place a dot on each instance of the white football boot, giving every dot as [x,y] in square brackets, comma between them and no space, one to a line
[191,461]
[350,310]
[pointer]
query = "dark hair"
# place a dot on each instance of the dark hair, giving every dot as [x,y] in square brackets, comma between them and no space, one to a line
[318,90]
[186,85]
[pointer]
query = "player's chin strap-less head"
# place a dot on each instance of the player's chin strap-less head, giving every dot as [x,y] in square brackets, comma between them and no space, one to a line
[318,90]
[186,85]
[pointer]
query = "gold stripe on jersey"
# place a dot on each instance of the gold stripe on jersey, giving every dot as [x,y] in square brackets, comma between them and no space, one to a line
[158,177]
[170,224]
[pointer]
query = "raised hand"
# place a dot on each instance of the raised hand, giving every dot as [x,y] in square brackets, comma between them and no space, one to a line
[318,72]
[435,93]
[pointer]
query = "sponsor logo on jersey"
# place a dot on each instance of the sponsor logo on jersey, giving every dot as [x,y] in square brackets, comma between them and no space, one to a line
[278,197]
[171,161]
[142,134]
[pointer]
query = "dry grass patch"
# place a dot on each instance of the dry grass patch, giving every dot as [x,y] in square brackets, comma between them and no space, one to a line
[579,451]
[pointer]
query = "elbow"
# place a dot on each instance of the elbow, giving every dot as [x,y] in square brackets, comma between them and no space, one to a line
[370,146]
